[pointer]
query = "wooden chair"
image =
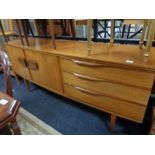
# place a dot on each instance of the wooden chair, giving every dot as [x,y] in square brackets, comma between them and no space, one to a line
[62,27]
[21,27]
[142,22]
[9,110]
[67,25]
[150,36]
[129,22]
[7,29]
[89,32]
[148,31]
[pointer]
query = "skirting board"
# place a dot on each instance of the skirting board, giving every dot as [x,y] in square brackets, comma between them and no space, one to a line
[43,127]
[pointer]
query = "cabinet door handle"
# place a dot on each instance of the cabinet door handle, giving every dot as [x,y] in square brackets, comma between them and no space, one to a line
[89,77]
[86,91]
[22,61]
[89,64]
[32,65]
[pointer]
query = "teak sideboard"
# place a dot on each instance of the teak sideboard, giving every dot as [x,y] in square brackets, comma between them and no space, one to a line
[117,79]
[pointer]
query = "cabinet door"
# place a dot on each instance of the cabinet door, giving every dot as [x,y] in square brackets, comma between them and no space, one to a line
[18,61]
[44,70]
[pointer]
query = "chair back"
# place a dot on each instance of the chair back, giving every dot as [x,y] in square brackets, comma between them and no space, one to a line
[4,62]
[7,25]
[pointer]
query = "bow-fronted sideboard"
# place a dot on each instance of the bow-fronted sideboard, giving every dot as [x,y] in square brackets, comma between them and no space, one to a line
[116,79]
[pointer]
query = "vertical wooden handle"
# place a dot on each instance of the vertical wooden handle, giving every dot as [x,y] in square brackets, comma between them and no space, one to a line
[32,65]
[22,61]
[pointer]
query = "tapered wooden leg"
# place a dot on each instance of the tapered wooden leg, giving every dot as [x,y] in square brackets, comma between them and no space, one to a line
[15,127]
[16,77]
[112,122]
[27,84]
[152,130]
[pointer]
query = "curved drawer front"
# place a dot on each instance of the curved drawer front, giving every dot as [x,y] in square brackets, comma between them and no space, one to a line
[124,76]
[113,90]
[120,108]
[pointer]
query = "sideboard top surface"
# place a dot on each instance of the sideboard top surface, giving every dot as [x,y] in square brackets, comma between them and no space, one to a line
[118,54]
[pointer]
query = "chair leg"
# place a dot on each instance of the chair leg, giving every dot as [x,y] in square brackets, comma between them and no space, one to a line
[16,77]
[19,30]
[27,84]
[6,130]
[152,130]
[112,32]
[150,37]
[112,122]
[15,127]
[24,31]
[143,34]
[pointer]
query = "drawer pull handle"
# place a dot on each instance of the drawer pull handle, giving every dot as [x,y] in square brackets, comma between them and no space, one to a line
[22,61]
[88,77]
[89,64]
[86,91]
[32,65]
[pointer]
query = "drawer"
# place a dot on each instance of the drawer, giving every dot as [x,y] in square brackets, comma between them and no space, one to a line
[113,90]
[120,108]
[124,76]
